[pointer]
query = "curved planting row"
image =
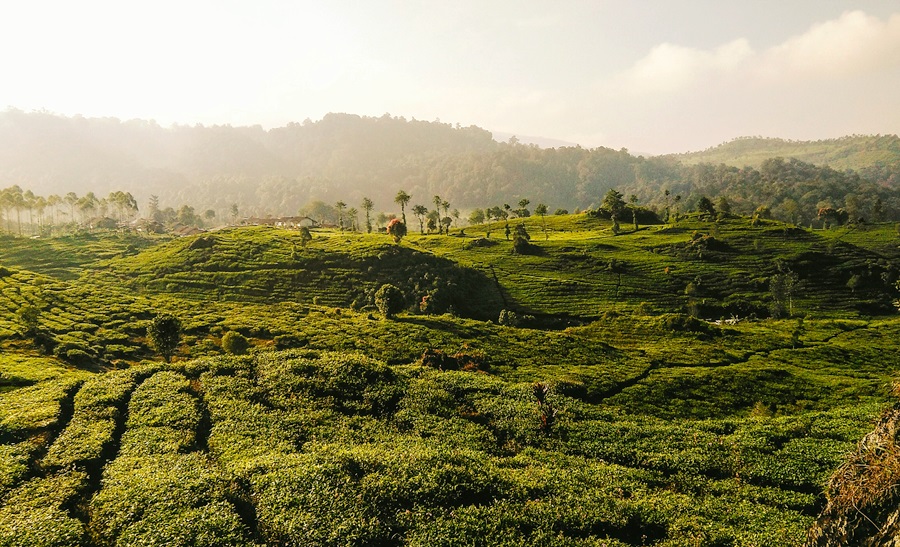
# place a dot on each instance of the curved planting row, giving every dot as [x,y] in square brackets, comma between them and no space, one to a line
[318,448]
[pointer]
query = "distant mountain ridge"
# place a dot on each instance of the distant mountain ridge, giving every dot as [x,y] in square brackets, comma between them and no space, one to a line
[542,142]
[851,152]
[345,157]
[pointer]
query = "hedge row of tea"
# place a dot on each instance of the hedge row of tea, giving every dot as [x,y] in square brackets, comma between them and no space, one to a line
[648,426]
[321,448]
[712,268]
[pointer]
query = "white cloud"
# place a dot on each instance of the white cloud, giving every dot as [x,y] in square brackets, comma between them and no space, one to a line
[851,45]
[671,68]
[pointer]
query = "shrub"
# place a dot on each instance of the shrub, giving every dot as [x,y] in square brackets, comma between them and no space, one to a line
[508,318]
[235,343]
[396,229]
[521,245]
[389,300]
[479,243]
[164,334]
[685,323]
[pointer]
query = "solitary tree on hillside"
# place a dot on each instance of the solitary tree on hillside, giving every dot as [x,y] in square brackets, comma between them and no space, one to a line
[164,334]
[340,206]
[389,300]
[28,316]
[613,204]
[783,287]
[420,211]
[522,211]
[541,210]
[666,193]
[723,205]
[632,204]
[437,206]
[305,236]
[401,199]
[367,205]
[705,206]
[396,229]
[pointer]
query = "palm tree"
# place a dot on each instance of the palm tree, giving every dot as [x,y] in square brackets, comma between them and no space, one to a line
[5,206]
[72,200]
[367,205]
[402,198]
[86,204]
[353,214]
[17,201]
[40,204]
[541,210]
[340,206]
[437,207]
[28,200]
[53,201]
[632,200]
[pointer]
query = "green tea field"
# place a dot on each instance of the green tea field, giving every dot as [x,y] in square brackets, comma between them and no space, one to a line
[691,384]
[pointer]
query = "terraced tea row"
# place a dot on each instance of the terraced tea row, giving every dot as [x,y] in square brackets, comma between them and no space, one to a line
[307,447]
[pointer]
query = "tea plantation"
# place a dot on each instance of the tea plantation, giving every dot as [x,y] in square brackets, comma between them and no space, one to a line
[690,384]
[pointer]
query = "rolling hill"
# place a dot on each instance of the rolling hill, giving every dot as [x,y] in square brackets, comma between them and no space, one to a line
[651,387]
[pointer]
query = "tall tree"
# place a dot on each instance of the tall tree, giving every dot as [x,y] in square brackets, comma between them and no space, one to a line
[613,204]
[437,207]
[367,205]
[541,210]
[17,199]
[632,204]
[28,202]
[522,211]
[705,206]
[71,200]
[53,201]
[401,199]
[340,206]
[153,208]
[420,211]
[353,215]
[666,194]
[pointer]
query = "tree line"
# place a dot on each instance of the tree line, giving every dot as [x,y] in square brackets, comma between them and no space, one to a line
[350,158]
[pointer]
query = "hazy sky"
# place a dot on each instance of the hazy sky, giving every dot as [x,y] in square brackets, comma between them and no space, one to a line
[653,76]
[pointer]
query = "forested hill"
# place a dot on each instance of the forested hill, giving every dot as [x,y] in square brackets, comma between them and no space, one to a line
[345,157]
[857,152]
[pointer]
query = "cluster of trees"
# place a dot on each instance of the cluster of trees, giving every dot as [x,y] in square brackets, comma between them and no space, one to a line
[42,215]
[440,219]
[24,213]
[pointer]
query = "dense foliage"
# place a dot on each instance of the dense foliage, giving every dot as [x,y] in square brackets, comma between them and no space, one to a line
[628,388]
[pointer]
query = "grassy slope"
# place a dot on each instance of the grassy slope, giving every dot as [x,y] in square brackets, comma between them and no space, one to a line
[708,433]
[844,153]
